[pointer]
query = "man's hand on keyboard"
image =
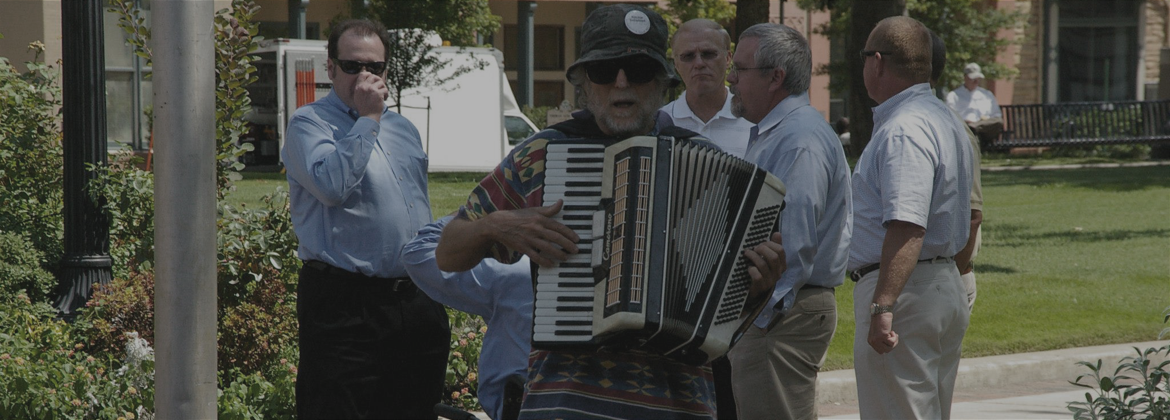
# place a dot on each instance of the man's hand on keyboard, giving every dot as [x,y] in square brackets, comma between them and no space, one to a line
[534,233]
[768,263]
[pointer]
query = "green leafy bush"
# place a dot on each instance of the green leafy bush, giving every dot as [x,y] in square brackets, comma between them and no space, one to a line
[462,383]
[129,196]
[31,156]
[20,269]
[124,306]
[1138,389]
[257,396]
[45,375]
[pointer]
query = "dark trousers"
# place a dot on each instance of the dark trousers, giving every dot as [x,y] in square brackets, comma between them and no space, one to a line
[724,395]
[367,351]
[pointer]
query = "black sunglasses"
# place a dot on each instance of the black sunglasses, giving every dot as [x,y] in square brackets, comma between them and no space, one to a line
[355,67]
[867,53]
[639,70]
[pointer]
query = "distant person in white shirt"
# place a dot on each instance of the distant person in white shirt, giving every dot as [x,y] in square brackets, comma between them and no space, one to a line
[977,106]
[701,56]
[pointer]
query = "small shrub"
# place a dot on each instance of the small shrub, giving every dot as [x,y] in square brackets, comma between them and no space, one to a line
[129,196]
[253,334]
[20,269]
[46,375]
[31,157]
[462,384]
[538,115]
[256,396]
[124,306]
[1137,389]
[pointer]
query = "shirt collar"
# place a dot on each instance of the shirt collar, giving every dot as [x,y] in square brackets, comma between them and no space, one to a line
[781,110]
[886,108]
[684,111]
[335,101]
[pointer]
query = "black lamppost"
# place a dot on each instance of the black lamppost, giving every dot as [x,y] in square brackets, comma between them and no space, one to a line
[87,226]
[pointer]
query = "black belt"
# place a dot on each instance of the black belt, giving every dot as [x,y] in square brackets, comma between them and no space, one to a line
[398,284]
[857,274]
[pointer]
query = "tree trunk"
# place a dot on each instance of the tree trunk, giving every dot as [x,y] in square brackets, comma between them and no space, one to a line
[748,13]
[865,16]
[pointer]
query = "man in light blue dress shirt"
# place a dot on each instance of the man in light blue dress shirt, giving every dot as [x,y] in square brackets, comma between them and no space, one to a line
[911,195]
[500,293]
[372,345]
[775,364]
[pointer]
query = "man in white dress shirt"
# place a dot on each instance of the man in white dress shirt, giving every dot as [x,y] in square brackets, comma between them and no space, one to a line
[701,55]
[977,106]
[774,366]
[911,216]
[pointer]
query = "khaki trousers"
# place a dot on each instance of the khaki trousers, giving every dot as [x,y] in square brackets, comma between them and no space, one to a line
[917,379]
[774,373]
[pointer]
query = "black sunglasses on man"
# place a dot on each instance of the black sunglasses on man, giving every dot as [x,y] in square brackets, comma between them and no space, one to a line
[638,69]
[355,67]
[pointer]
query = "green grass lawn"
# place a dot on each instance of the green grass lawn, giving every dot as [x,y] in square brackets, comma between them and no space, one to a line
[1073,257]
[1069,258]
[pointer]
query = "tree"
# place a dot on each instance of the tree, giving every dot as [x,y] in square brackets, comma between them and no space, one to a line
[865,16]
[748,13]
[676,12]
[968,28]
[412,63]
[457,21]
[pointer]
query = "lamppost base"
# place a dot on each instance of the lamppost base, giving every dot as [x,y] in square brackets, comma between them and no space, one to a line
[77,277]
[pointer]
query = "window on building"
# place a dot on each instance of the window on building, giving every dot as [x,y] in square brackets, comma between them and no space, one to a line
[544,92]
[128,87]
[1097,50]
[548,47]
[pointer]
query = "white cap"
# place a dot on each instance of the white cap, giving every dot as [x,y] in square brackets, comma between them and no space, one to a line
[973,71]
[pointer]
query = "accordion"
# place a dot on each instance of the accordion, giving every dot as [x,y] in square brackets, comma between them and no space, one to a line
[663,225]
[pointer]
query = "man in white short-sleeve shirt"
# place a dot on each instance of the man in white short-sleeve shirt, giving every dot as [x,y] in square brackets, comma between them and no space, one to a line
[911,192]
[977,106]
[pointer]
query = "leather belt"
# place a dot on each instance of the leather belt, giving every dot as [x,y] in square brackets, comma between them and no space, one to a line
[857,274]
[398,284]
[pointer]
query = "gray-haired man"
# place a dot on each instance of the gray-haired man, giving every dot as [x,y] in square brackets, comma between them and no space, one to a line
[775,364]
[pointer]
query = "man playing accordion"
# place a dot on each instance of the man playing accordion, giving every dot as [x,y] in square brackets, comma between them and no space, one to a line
[620,80]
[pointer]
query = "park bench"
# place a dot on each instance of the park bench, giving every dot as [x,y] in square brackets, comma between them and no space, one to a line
[1084,123]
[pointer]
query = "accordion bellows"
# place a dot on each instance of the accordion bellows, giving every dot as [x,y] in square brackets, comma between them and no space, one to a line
[663,226]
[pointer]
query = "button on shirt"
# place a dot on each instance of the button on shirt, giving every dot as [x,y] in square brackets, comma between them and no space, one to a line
[974,105]
[357,187]
[917,169]
[727,131]
[795,143]
[500,293]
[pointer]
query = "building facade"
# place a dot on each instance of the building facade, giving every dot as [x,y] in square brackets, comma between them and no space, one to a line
[1067,51]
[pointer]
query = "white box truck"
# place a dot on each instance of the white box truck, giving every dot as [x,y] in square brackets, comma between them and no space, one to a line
[466,124]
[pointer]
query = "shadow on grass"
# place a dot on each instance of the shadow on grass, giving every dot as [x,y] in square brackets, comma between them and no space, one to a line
[992,268]
[1019,235]
[1108,179]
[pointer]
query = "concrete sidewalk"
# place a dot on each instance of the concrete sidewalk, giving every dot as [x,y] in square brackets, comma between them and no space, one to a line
[1015,386]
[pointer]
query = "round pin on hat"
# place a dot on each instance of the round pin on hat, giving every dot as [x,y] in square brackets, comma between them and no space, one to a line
[637,22]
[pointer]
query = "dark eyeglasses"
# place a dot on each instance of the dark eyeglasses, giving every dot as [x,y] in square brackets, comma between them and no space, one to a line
[867,53]
[638,70]
[355,67]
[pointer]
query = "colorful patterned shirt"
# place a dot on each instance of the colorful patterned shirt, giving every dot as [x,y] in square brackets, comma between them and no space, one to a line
[587,384]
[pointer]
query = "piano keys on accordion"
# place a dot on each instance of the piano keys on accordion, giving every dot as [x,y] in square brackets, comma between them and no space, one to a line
[663,225]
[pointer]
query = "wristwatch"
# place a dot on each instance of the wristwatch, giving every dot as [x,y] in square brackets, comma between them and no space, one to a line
[875,309]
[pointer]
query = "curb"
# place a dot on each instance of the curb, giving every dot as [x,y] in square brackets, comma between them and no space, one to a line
[1075,166]
[840,386]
